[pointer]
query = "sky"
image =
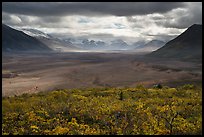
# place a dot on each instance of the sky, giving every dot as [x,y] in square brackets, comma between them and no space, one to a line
[129,21]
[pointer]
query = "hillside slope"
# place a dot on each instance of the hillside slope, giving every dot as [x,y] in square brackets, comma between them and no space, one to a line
[14,40]
[188,45]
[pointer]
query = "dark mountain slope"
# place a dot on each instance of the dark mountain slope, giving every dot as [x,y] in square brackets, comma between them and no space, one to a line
[14,40]
[188,45]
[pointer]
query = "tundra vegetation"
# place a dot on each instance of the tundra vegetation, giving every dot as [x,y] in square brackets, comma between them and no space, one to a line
[125,111]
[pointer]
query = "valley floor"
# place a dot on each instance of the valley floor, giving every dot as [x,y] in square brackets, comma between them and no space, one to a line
[31,73]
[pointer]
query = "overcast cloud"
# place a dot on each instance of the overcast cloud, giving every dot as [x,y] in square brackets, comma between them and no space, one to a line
[132,21]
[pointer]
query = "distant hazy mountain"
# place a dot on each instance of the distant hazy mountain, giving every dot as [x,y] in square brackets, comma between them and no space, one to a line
[151,46]
[14,40]
[187,45]
[118,44]
[93,45]
[57,44]
[138,43]
[100,44]
[50,41]
[86,44]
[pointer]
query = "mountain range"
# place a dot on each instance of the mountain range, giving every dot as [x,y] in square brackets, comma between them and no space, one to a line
[33,39]
[187,45]
[86,44]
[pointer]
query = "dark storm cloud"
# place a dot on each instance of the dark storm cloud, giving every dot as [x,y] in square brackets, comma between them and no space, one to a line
[86,8]
[47,21]
[180,18]
[183,18]
[143,19]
